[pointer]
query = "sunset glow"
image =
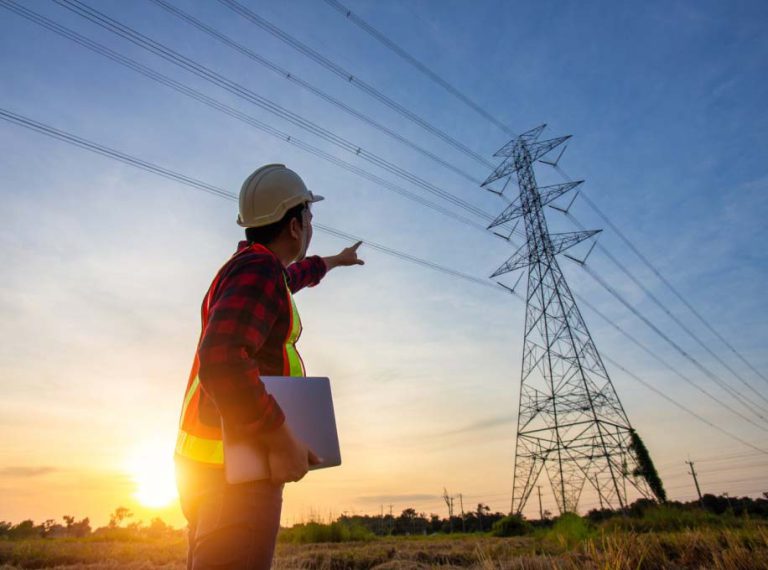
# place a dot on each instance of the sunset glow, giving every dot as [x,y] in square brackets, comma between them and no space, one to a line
[152,471]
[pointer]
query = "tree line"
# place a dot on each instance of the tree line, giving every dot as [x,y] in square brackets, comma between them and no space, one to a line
[408,522]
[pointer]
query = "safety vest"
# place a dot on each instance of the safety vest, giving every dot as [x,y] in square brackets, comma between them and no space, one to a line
[202,442]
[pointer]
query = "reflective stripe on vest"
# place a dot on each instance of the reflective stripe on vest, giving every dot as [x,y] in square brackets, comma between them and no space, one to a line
[201,442]
[292,363]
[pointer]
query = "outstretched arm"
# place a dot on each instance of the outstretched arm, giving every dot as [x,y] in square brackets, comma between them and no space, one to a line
[309,272]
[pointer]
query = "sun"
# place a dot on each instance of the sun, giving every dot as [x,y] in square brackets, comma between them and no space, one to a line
[152,471]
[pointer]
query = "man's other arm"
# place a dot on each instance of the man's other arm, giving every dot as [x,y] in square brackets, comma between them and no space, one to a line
[239,322]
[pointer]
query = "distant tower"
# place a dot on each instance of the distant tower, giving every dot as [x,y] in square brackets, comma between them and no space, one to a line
[570,421]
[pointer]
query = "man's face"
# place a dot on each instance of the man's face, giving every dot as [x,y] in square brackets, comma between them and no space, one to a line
[307,223]
[305,233]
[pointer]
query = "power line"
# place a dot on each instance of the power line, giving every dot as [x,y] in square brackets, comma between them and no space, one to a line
[86,144]
[199,185]
[682,407]
[229,110]
[350,78]
[669,313]
[669,285]
[290,76]
[358,21]
[658,358]
[190,65]
[730,457]
[672,343]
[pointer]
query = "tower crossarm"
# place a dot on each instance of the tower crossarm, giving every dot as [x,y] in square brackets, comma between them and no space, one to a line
[562,242]
[547,194]
[537,149]
[527,137]
[533,150]
[502,171]
[518,260]
[559,243]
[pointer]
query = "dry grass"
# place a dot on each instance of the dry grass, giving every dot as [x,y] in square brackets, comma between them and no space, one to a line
[722,549]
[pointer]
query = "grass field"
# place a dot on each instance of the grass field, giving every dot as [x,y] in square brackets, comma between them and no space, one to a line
[740,548]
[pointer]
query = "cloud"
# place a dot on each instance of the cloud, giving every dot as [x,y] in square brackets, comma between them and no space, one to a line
[481,425]
[404,498]
[26,471]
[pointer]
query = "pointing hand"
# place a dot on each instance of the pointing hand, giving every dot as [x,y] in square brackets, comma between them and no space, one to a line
[347,256]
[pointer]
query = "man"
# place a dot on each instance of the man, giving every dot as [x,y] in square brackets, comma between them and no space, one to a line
[250,326]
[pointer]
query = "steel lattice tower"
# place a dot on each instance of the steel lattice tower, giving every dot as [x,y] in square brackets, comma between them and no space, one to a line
[570,421]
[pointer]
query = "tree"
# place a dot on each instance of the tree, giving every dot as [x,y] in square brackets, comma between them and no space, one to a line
[25,529]
[121,514]
[81,529]
[158,528]
[405,522]
[645,467]
[482,510]
[48,527]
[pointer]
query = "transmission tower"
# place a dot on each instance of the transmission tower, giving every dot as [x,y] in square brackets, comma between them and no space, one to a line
[571,423]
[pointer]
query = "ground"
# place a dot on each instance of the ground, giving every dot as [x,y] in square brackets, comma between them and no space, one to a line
[744,548]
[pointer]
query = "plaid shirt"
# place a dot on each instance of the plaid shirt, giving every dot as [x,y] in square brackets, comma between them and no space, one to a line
[249,316]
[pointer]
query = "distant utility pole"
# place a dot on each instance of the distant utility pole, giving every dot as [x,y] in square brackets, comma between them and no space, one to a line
[381,520]
[448,503]
[391,520]
[571,423]
[461,502]
[695,480]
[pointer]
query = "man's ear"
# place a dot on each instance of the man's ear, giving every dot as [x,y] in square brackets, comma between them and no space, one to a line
[294,227]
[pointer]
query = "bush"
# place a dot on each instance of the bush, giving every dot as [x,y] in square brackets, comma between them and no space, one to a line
[319,532]
[664,518]
[570,529]
[512,525]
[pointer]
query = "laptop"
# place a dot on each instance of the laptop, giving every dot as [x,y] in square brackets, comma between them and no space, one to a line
[308,408]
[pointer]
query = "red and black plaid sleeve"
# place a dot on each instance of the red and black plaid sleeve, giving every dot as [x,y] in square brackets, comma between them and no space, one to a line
[306,273]
[243,312]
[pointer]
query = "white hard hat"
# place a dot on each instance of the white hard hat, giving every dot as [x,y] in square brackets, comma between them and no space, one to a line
[269,193]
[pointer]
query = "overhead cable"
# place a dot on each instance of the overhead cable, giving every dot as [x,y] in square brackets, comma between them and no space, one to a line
[422,67]
[669,313]
[669,285]
[655,356]
[239,90]
[662,306]
[290,76]
[350,78]
[231,111]
[704,370]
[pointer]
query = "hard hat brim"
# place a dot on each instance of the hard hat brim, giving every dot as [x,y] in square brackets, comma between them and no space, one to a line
[315,198]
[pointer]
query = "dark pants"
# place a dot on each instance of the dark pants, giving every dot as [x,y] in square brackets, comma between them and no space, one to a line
[231,527]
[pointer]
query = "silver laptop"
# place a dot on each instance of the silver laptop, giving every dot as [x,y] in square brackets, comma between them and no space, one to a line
[308,408]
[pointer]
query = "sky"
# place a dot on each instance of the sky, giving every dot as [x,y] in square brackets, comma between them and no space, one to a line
[104,266]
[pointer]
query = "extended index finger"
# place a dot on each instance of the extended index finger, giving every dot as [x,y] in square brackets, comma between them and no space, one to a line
[354,247]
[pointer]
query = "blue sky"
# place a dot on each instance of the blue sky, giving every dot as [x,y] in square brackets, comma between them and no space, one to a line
[104,266]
